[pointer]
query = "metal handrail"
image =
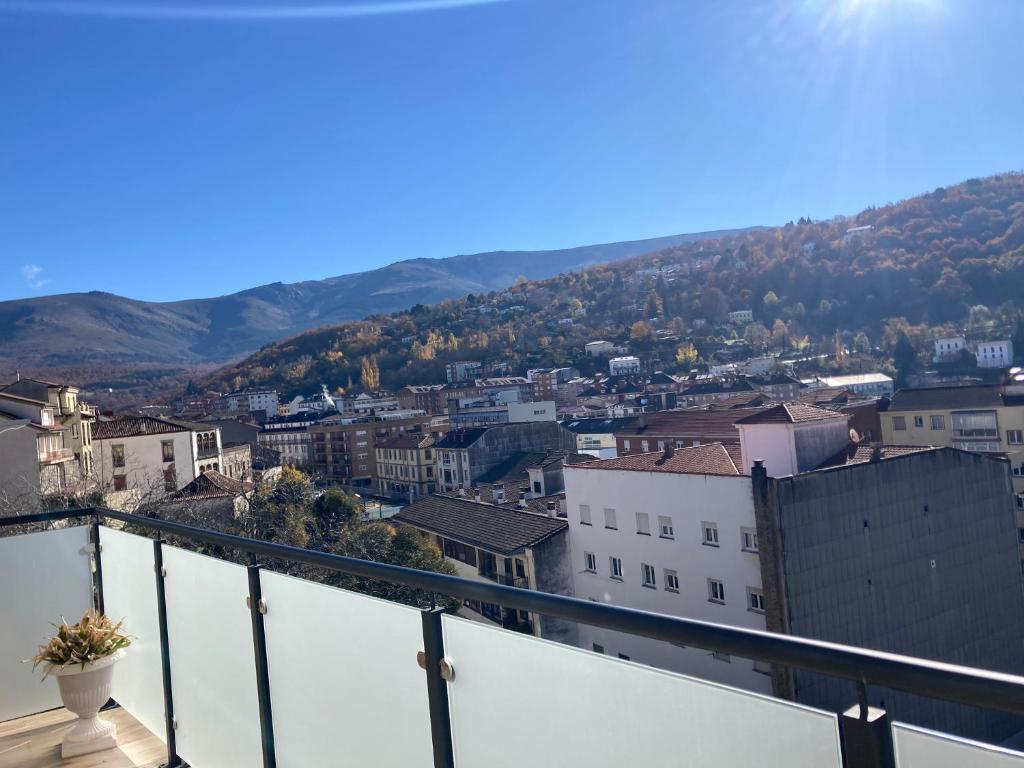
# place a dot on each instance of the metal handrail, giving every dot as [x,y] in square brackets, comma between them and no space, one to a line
[934,679]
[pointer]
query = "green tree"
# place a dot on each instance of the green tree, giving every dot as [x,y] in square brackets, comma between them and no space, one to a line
[757,336]
[904,358]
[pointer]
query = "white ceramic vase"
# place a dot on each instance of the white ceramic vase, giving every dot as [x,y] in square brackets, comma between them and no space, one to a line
[84,690]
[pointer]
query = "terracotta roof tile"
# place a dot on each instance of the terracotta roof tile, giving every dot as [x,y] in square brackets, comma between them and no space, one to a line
[791,413]
[133,426]
[710,459]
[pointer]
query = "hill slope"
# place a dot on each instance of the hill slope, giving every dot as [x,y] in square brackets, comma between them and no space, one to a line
[89,328]
[929,265]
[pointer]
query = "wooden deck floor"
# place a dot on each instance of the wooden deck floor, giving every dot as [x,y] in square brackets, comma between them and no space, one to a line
[34,742]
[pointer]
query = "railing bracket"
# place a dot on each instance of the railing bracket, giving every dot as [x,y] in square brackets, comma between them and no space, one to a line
[447,669]
[261,605]
[421,659]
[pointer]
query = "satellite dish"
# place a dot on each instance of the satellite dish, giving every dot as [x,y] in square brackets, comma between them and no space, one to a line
[854,437]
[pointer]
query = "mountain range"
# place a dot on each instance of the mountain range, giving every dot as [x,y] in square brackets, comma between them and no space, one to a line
[97,328]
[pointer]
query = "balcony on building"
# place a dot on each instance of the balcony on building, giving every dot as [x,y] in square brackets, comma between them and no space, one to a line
[241,666]
[55,455]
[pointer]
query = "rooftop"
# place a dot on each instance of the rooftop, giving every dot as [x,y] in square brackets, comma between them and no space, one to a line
[947,398]
[791,413]
[696,422]
[211,484]
[136,426]
[407,441]
[710,459]
[461,438]
[497,529]
[860,453]
[597,426]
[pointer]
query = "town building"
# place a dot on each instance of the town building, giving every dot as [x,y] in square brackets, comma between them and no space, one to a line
[855,232]
[947,350]
[624,366]
[709,390]
[994,354]
[510,546]
[466,455]
[68,411]
[35,457]
[251,401]
[210,497]
[598,348]
[654,431]
[886,547]
[429,398]
[365,404]
[344,449]
[549,384]
[406,468]
[463,370]
[741,317]
[288,437]
[482,413]
[140,459]
[869,384]
[780,386]
[596,437]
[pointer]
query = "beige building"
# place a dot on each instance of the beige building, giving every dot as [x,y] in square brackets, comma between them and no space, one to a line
[406,466]
[35,459]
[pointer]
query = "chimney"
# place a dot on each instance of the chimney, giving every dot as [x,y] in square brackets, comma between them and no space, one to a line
[522,499]
[552,509]
[876,453]
[498,494]
[476,494]
[462,490]
[670,449]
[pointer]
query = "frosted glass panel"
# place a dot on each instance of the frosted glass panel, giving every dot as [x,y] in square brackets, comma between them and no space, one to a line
[921,748]
[584,709]
[129,593]
[43,576]
[213,672]
[344,683]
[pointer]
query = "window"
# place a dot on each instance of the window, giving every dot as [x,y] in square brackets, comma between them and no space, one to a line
[645,447]
[643,523]
[584,514]
[117,456]
[899,423]
[755,600]
[625,446]
[536,487]
[598,648]
[938,421]
[120,483]
[710,534]
[609,519]
[647,575]
[665,527]
[1015,436]
[919,421]
[615,568]
[671,580]
[749,538]
[590,562]
[716,591]
[170,481]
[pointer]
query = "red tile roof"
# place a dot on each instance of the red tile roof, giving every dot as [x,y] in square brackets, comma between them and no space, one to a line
[211,484]
[791,413]
[134,426]
[710,459]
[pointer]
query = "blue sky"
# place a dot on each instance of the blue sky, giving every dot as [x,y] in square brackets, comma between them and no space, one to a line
[175,150]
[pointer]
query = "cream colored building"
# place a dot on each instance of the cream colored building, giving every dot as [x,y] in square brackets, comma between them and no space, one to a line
[67,411]
[406,466]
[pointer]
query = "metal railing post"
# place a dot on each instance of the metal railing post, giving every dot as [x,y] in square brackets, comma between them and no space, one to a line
[173,761]
[438,678]
[866,734]
[257,608]
[97,564]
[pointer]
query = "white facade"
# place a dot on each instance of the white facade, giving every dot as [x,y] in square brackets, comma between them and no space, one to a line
[995,354]
[947,349]
[598,348]
[254,400]
[757,366]
[140,468]
[862,383]
[741,316]
[676,554]
[543,410]
[623,366]
[787,449]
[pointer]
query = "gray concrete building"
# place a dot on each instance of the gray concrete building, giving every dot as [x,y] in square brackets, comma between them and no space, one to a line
[905,550]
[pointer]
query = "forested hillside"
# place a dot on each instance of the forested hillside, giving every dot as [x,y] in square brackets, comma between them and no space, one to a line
[929,265]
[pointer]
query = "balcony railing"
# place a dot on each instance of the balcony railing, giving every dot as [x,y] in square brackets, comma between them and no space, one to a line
[207,453]
[54,455]
[241,666]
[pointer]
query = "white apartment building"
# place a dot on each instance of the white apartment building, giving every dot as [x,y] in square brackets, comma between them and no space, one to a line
[140,458]
[869,384]
[598,348]
[250,400]
[672,533]
[947,349]
[624,366]
[741,316]
[995,354]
